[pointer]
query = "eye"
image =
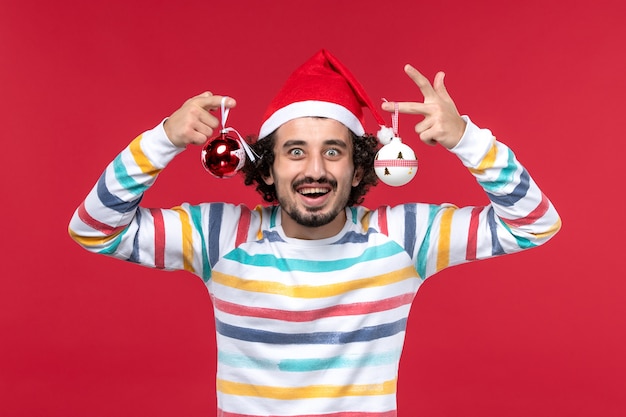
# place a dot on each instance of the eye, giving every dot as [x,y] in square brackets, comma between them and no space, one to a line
[296,152]
[333,153]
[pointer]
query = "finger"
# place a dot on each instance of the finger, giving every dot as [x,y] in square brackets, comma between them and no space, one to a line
[205,94]
[426,131]
[195,123]
[440,87]
[427,137]
[201,110]
[423,126]
[206,124]
[199,137]
[407,107]
[421,81]
[210,102]
[182,133]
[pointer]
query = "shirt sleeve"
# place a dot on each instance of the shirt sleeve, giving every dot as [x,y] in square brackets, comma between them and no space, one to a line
[519,215]
[111,221]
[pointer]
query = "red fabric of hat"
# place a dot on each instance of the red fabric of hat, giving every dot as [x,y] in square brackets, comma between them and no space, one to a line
[321,87]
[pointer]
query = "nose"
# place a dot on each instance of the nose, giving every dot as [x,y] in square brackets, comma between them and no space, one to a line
[315,167]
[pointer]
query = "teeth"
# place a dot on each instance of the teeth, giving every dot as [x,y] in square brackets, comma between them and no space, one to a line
[313,191]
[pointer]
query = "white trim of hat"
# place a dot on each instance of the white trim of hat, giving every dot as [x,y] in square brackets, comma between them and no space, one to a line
[311,108]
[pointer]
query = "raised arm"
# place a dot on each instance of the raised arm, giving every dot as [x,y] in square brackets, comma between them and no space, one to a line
[520,216]
[110,220]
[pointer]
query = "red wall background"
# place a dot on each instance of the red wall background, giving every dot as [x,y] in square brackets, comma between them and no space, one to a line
[540,333]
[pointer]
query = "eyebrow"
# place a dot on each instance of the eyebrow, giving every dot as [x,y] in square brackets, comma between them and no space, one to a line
[299,142]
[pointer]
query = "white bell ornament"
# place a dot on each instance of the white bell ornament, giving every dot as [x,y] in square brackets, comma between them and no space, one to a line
[395,163]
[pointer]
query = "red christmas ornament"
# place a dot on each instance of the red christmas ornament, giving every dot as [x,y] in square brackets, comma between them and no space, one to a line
[223,156]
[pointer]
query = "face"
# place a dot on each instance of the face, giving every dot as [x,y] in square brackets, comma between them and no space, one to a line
[313,174]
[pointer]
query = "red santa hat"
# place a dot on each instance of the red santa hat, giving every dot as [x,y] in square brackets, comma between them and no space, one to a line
[322,87]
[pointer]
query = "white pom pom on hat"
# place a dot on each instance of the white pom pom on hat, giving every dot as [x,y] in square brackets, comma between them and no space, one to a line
[323,87]
[385,134]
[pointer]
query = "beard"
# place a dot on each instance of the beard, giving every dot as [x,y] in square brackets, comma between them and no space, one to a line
[312,216]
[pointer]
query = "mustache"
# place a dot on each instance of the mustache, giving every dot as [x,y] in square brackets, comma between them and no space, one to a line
[309,180]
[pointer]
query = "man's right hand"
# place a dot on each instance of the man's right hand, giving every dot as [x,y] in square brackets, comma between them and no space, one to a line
[193,123]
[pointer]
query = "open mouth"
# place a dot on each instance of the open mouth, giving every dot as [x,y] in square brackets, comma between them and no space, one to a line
[313,192]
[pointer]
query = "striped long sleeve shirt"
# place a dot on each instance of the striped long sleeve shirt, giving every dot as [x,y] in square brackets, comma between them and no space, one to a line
[311,327]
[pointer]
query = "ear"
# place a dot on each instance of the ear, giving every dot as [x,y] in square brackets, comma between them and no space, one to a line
[269,179]
[358,176]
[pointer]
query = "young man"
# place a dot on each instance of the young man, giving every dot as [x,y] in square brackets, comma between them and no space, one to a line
[311,295]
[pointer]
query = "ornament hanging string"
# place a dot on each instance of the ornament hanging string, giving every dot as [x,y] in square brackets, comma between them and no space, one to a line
[251,154]
[394,117]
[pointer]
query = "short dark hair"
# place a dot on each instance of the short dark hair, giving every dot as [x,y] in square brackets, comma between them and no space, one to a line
[364,151]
